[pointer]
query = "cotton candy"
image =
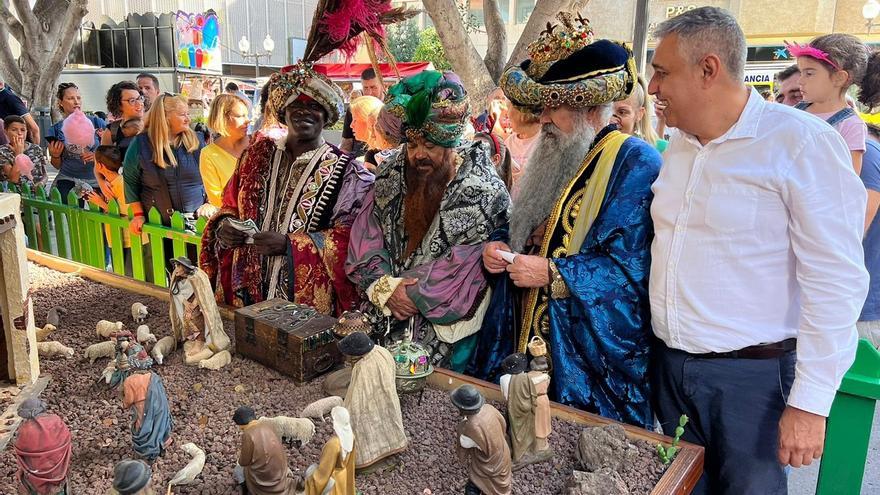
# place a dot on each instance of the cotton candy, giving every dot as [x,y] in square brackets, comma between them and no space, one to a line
[24,166]
[78,130]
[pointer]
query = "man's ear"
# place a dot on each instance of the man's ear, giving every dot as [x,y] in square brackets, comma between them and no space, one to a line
[710,67]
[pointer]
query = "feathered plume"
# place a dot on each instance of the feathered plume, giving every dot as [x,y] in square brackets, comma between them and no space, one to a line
[338,23]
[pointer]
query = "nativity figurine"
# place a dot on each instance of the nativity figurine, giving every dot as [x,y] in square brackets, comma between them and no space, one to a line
[519,388]
[262,460]
[195,319]
[131,477]
[42,450]
[481,443]
[143,393]
[372,400]
[334,472]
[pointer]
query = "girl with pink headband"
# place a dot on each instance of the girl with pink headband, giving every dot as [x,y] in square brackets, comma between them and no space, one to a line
[829,65]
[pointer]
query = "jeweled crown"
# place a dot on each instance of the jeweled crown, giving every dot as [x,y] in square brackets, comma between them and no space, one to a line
[558,41]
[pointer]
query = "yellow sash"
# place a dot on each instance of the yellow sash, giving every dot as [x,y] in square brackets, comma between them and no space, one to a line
[591,201]
[594,194]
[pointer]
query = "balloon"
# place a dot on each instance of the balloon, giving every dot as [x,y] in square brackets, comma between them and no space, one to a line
[183,58]
[211,32]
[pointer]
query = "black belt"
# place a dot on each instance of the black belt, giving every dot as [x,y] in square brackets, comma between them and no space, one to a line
[763,351]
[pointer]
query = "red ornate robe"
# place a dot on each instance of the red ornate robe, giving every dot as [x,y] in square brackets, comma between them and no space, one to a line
[313,199]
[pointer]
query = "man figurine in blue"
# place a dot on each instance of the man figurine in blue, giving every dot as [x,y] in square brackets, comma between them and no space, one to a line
[581,232]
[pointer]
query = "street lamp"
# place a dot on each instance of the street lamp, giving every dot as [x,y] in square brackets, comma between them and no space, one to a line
[870,11]
[244,46]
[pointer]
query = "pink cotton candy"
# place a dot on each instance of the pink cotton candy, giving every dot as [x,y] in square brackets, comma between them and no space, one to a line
[78,130]
[24,166]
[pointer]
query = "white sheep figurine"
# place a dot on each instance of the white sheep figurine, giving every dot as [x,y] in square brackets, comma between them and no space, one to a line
[194,468]
[44,332]
[288,428]
[216,361]
[144,336]
[321,407]
[106,329]
[139,312]
[53,348]
[106,349]
[162,348]
[107,373]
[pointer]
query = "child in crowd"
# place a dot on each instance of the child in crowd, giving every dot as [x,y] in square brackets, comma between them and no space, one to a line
[21,161]
[829,65]
[132,127]
[108,162]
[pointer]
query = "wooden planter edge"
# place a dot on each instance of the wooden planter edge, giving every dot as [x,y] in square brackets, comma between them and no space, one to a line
[679,479]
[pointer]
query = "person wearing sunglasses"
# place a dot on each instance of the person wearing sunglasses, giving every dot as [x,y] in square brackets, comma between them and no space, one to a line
[125,102]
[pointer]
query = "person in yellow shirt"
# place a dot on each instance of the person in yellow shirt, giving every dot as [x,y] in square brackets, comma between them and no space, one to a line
[229,119]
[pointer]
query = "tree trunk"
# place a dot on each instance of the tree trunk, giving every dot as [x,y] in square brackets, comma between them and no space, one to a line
[46,35]
[496,51]
[460,52]
[544,12]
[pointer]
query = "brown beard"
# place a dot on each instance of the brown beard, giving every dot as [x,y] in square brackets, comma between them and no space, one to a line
[421,204]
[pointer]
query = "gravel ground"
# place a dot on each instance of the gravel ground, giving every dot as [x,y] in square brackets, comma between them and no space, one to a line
[203,401]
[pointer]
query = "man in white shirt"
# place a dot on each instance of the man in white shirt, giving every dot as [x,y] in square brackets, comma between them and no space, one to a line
[757,274]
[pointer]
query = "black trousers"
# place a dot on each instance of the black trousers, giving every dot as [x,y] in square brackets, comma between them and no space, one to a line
[734,406]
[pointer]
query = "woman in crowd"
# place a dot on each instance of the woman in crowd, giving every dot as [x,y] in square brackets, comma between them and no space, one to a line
[125,102]
[21,159]
[525,132]
[161,167]
[633,115]
[72,166]
[365,116]
[229,119]
[499,155]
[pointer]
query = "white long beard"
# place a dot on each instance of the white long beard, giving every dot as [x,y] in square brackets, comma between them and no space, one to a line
[553,164]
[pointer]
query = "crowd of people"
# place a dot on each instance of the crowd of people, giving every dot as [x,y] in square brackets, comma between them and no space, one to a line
[683,245]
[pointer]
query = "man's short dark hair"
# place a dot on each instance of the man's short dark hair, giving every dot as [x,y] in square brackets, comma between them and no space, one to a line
[114,96]
[368,74]
[110,156]
[13,119]
[152,78]
[787,72]
[231,86]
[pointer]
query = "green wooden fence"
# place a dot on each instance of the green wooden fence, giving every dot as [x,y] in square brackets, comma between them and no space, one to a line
[63,229]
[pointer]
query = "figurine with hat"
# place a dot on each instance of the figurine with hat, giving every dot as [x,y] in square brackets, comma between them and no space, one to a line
[131,477]
[195,318]
[582,245]
[482,443]
[42,450]
[372,401]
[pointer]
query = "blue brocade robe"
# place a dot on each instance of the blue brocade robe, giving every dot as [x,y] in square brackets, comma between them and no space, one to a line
[599,337]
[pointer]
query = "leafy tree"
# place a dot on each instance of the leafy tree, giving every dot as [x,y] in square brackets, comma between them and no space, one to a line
[403,40]
[430,49]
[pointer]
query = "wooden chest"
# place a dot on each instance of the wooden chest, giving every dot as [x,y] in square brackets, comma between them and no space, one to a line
[290,338]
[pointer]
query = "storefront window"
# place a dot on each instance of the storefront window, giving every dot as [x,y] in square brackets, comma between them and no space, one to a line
[523,9]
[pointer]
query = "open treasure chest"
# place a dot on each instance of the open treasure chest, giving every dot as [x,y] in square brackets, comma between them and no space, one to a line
[293,339]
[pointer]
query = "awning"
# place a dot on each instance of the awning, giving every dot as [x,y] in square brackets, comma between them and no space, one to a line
[352,72]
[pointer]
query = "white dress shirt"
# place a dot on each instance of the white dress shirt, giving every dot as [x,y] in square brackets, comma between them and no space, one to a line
[758,238]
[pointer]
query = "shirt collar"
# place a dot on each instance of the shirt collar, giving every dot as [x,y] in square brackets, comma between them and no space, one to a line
[747,124]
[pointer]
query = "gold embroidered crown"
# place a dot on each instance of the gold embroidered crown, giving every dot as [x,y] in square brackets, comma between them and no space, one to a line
[558,42]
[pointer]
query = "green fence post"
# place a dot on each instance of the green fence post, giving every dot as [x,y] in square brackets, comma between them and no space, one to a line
[78,246]
[30,227]
[43,215]
[156,230]
[62,227]
[200,229]
[178,228]
[138,270]
[116,240]
[849,425]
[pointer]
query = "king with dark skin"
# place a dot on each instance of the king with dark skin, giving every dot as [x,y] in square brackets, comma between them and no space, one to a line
[305,120]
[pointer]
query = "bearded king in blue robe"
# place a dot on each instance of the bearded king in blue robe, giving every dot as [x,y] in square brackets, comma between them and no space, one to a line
[580,231]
